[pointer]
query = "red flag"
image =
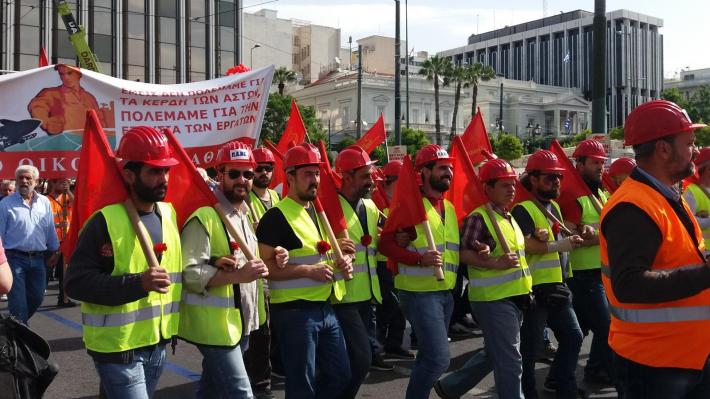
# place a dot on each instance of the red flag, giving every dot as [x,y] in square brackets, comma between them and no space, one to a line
[407,208]
[374,137]
[475,139]
[43,61]
[187,190]
[521,193]
[294,133]
[337,179]
[379,197]
[330,201]
[98,183]
[573,186]
[466,191]
[609,182]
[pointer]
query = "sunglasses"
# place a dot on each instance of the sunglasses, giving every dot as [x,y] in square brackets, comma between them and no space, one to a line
[235,174]
[551,176]
[264,168]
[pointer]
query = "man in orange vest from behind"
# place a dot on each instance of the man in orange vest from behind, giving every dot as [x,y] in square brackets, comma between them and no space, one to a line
[653,264]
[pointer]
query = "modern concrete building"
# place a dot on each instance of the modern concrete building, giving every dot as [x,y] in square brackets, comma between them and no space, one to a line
[528,108]
[689,81]
[557,51]
[165,41]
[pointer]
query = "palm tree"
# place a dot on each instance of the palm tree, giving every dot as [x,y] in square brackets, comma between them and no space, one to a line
[457,76]
[283,75]
[435,68]
[477,72]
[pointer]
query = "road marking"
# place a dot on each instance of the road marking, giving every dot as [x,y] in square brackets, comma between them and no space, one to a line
[175,368]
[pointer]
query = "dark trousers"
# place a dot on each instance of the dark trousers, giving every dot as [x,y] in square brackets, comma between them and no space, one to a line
[257,356]
[644,382]
[390,320]
[353,319]
[592,309]
[59,274]
[462,306]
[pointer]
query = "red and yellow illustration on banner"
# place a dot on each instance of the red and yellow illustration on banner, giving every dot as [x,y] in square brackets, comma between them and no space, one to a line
[44,112]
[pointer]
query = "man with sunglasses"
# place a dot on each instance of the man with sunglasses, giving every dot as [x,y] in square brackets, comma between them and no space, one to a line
[546,253]
[262,342]
[222,303]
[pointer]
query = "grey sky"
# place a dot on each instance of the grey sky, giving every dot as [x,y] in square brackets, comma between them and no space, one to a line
[444,24]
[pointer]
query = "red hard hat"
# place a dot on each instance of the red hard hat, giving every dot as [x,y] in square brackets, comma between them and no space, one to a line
[237,153]
[496,169]
[590,149]
[301,155]
[703,157]
[352,158]
[655,119]
[145,144]
[393,168]
[429,153]
[544,161]
[622,166]
[263,155]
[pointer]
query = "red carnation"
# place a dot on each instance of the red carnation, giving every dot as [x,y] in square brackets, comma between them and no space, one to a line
[556,228]
[233,246]
[160,247]
[323,247]
[241,68]
[366,240]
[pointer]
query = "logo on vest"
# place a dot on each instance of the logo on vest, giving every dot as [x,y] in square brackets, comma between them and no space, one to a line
[239,154]
[106,250]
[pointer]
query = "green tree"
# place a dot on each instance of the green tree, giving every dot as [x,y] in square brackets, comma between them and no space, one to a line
[277,112]
[702,137]
[699,107]
[435,68]
[617,133]
[476,73]
[458,77]
[674,95]
[282,76]
[508,147]
[414,139]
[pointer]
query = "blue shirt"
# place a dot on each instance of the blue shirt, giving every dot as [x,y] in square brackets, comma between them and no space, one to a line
[666,191]
[26,227]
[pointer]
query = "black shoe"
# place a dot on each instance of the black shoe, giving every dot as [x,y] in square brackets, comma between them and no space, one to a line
[547,354]
[440,390]
[399,353]
[264,394]
[456,330]
[68,304]
[550,386]
[597,376]
[468,323]
[378,363]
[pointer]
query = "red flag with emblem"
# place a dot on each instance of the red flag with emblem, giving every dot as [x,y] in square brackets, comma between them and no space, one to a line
[374,137]
[466,190]
[187,190]
[475,140]
[572,187]
[98,183]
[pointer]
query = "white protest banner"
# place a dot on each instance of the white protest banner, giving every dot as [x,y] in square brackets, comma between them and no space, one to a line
[396,152]
[44,111]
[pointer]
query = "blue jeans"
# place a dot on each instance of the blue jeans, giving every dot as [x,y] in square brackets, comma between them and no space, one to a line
[29,282]
[429,313]
[644,382]
[500,322]
[592,309]
[135,380]
[223,373]
[353,319]
[564,325]
[309,338]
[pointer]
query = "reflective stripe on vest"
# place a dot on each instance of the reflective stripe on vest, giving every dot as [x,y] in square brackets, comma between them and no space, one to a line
[702,204]
[425,270]
[308,234]
[545,268]
[486,284]
[150,319]
[665,334]
[212,318]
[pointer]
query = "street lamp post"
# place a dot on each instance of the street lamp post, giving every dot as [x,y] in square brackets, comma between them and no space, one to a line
[251,55]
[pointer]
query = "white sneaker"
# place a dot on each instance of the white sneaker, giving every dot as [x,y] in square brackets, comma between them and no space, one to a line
[3,297]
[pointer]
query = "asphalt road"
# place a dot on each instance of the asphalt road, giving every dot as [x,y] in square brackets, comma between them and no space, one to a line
[77,377]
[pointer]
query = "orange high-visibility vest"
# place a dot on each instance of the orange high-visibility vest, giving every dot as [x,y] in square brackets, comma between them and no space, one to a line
[58,205]
[666,334]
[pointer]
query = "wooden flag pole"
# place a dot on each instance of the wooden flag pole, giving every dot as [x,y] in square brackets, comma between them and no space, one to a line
[231,228]
[333,240]
[501,238]
[141,233]
[550,216]
[438,271]
[595,202]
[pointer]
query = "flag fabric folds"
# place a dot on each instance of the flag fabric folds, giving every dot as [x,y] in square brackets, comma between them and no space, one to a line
[476,141]
[572,188]
[406,208]
[294,133]
[98,183]
[330,201]
[374,137]
[466,190]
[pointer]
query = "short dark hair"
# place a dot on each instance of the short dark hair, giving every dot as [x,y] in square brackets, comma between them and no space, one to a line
[525,179]
[644,151]
[491,183]
[581,159]
[134,166]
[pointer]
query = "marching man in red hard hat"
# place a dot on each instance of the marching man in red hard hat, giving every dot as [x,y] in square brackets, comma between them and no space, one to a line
[301,311]
[262,197]
[697,193]
[223,302]
[500,287]
[362,218]
[130,311]
[546,252]
[425,301]
[621,169]
[589,300]
[653,264]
